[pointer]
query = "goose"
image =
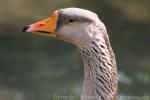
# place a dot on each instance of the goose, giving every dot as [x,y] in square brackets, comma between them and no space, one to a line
[85,30]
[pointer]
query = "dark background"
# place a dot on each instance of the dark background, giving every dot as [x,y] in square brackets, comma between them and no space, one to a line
[34,67]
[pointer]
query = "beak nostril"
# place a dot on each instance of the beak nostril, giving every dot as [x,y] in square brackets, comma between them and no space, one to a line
[25,28]
[40,25]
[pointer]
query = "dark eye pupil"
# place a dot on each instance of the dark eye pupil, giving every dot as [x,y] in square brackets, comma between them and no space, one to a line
[70,20]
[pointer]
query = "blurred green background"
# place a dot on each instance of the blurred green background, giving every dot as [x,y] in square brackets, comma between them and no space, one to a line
[34,67]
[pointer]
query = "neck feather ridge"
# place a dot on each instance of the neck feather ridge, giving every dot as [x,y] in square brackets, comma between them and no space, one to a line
[100,71]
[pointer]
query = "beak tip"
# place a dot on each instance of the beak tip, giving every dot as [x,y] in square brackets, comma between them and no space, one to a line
[25,28]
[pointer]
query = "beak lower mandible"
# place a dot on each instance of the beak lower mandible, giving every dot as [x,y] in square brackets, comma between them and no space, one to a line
[44,27]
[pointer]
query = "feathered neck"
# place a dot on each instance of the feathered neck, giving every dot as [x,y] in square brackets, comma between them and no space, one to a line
[100,70]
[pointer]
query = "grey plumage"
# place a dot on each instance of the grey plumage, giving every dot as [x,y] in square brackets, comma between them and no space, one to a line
[90,35]
[100,73]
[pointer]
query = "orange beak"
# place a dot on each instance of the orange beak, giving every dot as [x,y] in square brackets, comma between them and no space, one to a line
[44,27]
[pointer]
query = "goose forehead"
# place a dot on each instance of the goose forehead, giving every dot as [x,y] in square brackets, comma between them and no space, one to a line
[77,13]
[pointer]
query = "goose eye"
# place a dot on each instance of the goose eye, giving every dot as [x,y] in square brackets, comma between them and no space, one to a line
[70,20]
